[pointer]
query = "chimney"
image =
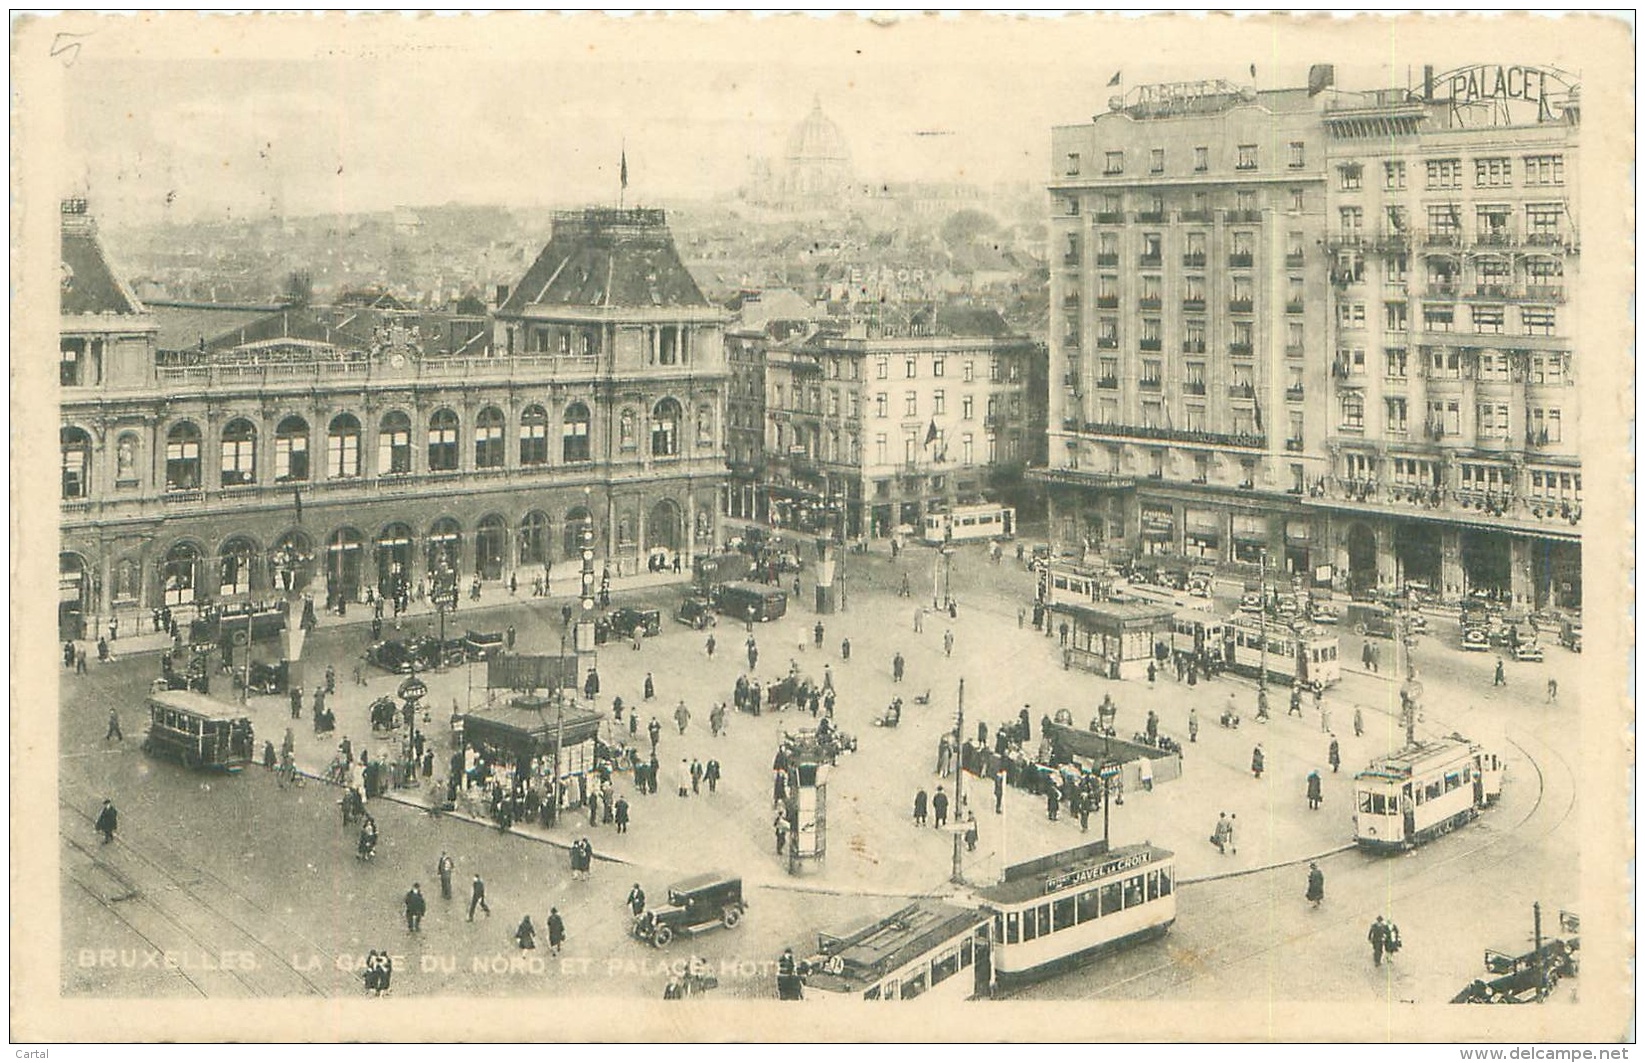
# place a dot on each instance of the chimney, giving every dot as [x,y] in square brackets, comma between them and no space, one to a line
[502,294]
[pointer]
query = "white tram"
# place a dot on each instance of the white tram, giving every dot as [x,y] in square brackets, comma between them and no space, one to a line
[1060,909]
[927,950]
[1197,631]
[1300,656]
[1425,790]
[969,523]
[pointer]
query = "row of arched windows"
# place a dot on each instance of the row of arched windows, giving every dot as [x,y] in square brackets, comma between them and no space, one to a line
[340,449]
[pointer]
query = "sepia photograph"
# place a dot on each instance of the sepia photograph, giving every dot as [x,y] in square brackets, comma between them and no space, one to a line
[1072,524]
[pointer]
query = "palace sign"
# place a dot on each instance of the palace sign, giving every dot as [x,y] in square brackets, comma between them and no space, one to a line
[1499,86]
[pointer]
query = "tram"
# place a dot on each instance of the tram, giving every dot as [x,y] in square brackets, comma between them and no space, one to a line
[1411,797]
[1060,909]
[198,731]
[1195,631]
[1303,656]
[927,950]
[970,523]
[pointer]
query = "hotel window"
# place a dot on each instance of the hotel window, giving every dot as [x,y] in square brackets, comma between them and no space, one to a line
[1293,247]
[939,402]
[1395,317]
[1108,411]
[1492,420]
[1151,373]
[879,448]
[1156,160]
[1108,248]
[1194,377]
[1444,173]
[1151,247]
[1202,159]
[1396,410]
[1113,162]
[833,402]
[442,441]
[1542,222]
[1438,318]
[1108,372]
[1395,269]
[343,447]
[882,368]
[1296,201]
[1544,169]
[1196,421]
[967,407]
[1073,168]
[1537,320]
[1444,418]
[1193,288]
[1547,368]
[533,436]
[488,439]
[1299,157]
[394,444]
[853,405]
[1393,176]
[1394,361]
[1545,426]
[1152,414]
[1247,155]
[1293,294]
[291,450]
[966,449]
[1194,336]
[1399,218]
[911,404]
[1351,362]
[1243,242]
[1351,315]
[1495,172]
[1352,219]
[1353,411]
[1350,177]
[1107,292]
[239,454]
[1491,222]
[1493,272]
[1199,203]
[1242,337]
[1444,219]
[1150,289]
[1245,201]
[968,371]
[937,367]
[911,368]
[1488,320]
[1293,337]
[1151,332]
[1444,363]
[76,453]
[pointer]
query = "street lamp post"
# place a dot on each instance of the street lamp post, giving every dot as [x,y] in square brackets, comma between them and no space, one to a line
[1262,588]
[958,875]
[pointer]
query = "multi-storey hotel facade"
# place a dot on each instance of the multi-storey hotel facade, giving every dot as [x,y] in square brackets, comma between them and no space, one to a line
[1325,331]
[304,465]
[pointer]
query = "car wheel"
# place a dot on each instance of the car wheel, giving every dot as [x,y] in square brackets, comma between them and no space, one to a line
[731,917]
[661,936]
[1359,629]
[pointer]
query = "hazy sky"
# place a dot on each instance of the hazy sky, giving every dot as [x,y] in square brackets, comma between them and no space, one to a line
[358,116]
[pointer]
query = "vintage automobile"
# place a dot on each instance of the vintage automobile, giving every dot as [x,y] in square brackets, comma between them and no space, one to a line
[268,678]
[623,622]
[1250,602]
[1570,633]
[1321,612]
[1528,651]
[1476,639]
[694,905]
[1200,581]
[1285,607]
[696,610]
[394,655]
[482,645]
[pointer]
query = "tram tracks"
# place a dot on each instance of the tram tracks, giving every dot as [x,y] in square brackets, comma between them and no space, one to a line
[194,910]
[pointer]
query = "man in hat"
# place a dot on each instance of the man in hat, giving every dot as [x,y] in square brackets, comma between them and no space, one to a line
[108,821]
[416,907]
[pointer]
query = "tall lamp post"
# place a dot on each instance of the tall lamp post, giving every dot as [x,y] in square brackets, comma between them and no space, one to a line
[1262,588]
[445,599]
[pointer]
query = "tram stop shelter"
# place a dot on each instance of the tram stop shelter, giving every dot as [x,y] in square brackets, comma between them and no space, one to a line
[1089,749]
[1112,639]
[524,728]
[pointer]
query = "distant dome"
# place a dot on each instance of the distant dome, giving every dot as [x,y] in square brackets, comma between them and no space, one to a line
[818,140]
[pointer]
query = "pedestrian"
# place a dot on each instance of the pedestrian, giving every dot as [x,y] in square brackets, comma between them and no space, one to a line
[1325,719]
[650,687]
[296,697]
[753,647]
[1022,613]
[1334,755]
[716,719]
[817,635]
[416,906]
[1151,727]
[1359,722]
[1316,884]
[845,649]
[1151,673]
[633,724]
[1257,761]
[970,832]
[948,643]
[1053,799]
[1296,702]
[651,772]
[508,637]
[1219,833]
[108,821]
[1500,680]
[114,725]
[711,774]
[1062,633]
[919,618]
[525,935]
[939,808]
[1315,791]
[1229,836]
[696,776]
[999,792]
[685,777]
[654,730]
[1193,725]
[710,647]
[828,679]
[556,931]
[80,660]
[636,901]
[619,815]
[779,824]
[477,899]
[896,668]
[1378,936]
[920,802]
[591,685]
[682,716]
[637,635]
[1365,656]
[444,868]
[1553,690]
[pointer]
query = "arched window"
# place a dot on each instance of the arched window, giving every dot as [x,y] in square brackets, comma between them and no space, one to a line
[534,538]
[177,574]
[445,543]
[665,429]
[533,436]
[488,439]
[442,441]
[574,435]
[125,458]
[76,462]
[291,450]
[239,453]
[575,522]
[183,457]
[343,447]
[234,560]
[394,444]
[490,547]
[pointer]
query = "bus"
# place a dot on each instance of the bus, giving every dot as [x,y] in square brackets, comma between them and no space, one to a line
[1411,797]
[1059,909]
[969,523]
[750,601]
[927,949]
[1304,655]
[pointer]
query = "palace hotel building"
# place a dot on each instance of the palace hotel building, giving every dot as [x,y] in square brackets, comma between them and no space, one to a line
[1328,331]
[302,462]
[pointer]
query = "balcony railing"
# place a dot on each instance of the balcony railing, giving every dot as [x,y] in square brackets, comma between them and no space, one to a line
[1071,259]
[1108,258]
[526,368]
[1108,343]
[1294,393]
[1193,387]
[1201,216]
[1179,435]
[1294,446]
[1151,217]
[1495,238]
[1442,239]
[1148,302]
[1112,383]
[1294,306]
[1293,350]
[1148,260]
[1241,260]
[1441,291]
[1243,217]
[1241,391]
[1147,344]
[1149,383]
[1072,340]
[1193,346]
[1193,304]
[1490,291]
[1545,240]
[1239,350]
[1293,259]
[1239,306]
[1194,260]
[1109,217]
[1108,302]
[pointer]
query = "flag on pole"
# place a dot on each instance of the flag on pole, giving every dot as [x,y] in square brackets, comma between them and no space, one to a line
[624,172]
[931,433]
[1319,76]
[1253,70]
[1115,80]
[1257,410]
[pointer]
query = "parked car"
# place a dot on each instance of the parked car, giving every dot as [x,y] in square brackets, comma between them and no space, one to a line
[1250,602]
[1200,581]
[1323,612]
[1285,608]
[622,622]
[694,905]
[1475,638]
[482,645]
[1528,651]
[1570,633]
[696,610]
[395,655]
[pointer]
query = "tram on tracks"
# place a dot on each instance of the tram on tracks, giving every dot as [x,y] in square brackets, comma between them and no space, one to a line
[1300,656]
[1413,796]
[927,950]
